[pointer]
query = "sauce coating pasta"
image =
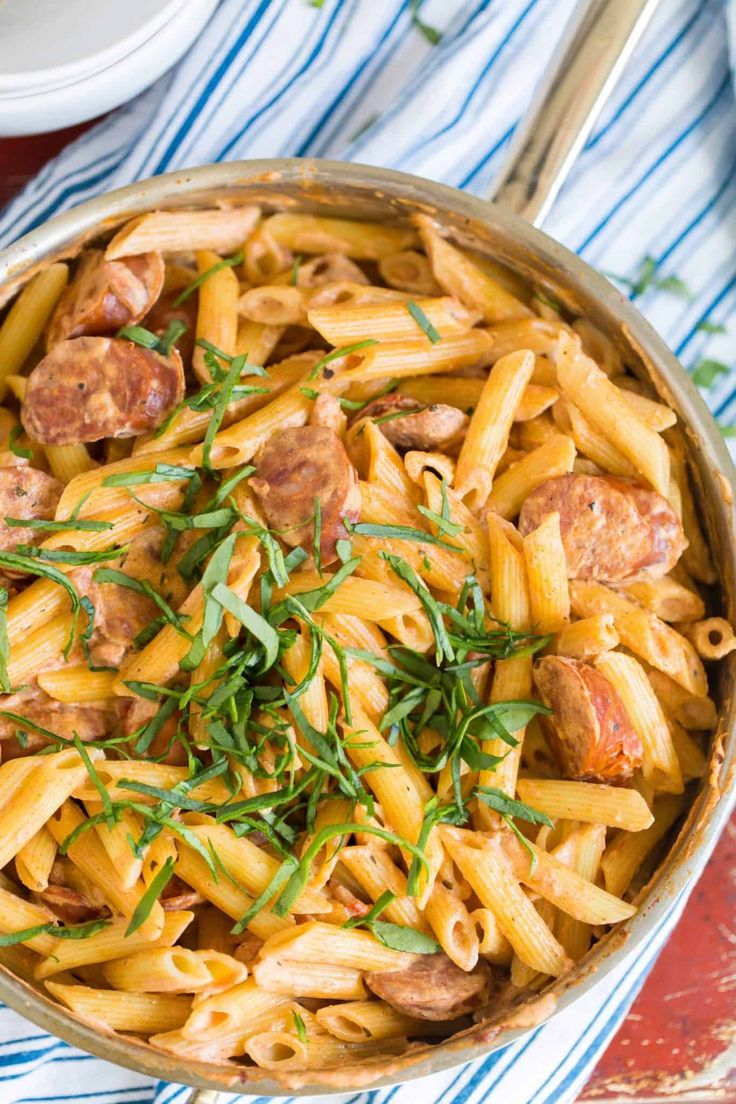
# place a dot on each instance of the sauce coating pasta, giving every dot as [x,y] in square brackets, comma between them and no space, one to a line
[340,702]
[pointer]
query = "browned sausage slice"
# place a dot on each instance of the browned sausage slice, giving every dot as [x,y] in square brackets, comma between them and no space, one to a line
[589,732]
[105,295]
[433,988]
[411,424]
[296,466]
[95,387]
[25,493]
[613,530]
[120,614]
[71,906]
[65,719]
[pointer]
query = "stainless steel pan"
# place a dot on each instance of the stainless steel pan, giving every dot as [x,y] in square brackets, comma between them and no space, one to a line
[588,61]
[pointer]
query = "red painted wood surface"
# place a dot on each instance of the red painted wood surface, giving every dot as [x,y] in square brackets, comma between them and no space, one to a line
[678,1043]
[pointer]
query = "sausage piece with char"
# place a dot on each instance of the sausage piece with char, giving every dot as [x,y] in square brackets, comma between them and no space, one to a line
[433,988]
[613,530]
[105,295]
[589,732]
[95,387]
[297,466]
[28,494]
[410,424]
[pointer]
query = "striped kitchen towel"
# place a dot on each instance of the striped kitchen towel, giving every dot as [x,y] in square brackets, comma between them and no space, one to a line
[652,199]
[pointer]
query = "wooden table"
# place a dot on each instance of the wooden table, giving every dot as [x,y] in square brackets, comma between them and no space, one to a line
[678,1043]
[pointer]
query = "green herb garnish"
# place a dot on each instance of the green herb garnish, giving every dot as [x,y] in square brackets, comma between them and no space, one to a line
[150,897]
[75,931]
[345,350]
[226,262]
[16,449]
[431,333]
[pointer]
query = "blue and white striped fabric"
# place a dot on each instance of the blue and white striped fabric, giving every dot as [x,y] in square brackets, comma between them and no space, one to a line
[355,79]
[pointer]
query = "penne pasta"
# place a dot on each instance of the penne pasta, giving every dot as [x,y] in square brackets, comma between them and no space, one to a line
[221,230]
[368,241]
[25,321]
[587,801]
[488,432]
[603,404]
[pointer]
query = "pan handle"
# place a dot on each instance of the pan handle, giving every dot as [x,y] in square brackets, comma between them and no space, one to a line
[587,62]
[594,49]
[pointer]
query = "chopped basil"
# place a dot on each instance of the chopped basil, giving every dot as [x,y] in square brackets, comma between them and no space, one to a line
[82,525]
[399,938]
[301,1031]
[396,414]
[75,931]
[336,354]
[16,449]
[398,532]
[150,897]
[62,555]
[443,521]
[174,331]
[162,473]
[508,806]
[279,879]
[382,903]
[96,781]
[226,262]
[237,364]
[422,321]
[299,878]
[252,621]
[408,575]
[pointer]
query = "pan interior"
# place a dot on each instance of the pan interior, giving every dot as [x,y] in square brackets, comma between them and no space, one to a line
[354,191]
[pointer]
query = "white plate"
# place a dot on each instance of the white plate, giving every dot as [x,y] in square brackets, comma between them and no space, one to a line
[75,102]
[49,43]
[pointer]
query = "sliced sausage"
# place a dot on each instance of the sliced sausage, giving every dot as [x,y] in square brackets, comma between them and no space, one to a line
[589,732]
[71,906]
[120,614]
[297,466]
[433,988]
[164,312]
[95,387]
[613,530]
[105,295]
[90,722]
[411,424]
[26,493]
